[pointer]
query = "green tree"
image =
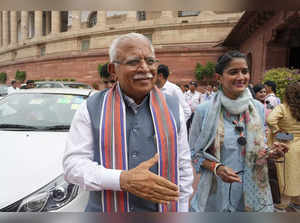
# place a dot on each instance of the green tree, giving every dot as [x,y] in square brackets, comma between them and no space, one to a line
[20,76]
[281,76]
[207,71]
[99,68]
[3,77]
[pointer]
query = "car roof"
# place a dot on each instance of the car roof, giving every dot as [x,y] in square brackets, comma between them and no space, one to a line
[74,91]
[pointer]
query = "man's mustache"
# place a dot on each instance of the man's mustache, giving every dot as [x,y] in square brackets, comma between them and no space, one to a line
[142,76]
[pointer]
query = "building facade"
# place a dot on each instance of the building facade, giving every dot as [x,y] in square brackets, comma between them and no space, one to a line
[270,39]
[71,44]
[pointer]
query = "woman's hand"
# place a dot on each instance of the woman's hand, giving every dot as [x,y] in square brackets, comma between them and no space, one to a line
[228,175]
[278,150]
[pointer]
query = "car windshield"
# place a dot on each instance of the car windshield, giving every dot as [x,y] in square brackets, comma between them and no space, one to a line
[48,85]
[37,111]
[77,85]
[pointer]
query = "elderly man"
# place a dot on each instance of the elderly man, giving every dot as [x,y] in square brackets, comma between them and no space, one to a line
[128,145]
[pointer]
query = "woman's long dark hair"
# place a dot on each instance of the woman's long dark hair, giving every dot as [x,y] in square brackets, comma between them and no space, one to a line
[292,97]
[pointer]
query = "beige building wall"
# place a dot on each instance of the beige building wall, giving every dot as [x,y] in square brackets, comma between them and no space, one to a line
[164,28]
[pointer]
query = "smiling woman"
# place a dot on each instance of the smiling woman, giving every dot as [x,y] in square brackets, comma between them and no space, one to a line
[229,143]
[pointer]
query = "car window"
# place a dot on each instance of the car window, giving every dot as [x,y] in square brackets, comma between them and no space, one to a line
[48,85]
[39,110]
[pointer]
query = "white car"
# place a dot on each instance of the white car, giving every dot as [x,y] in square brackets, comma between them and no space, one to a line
[34,124]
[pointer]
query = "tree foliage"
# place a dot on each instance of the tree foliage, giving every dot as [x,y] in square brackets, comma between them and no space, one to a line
[3,77]
[20,76]
[282,77]
[206,71]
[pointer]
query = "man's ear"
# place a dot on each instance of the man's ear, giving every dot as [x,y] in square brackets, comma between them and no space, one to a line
[111,69]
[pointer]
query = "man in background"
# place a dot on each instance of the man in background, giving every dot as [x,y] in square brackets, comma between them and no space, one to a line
[171,89]
[193,97]
[271,100]
[107,79]
[13,87]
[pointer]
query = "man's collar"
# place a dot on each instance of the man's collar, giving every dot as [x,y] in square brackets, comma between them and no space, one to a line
[130,102]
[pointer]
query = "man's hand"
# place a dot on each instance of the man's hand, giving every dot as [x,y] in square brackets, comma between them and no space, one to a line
[145,184]
[228,175]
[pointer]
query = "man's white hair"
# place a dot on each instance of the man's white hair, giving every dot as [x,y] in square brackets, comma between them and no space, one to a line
[130,36]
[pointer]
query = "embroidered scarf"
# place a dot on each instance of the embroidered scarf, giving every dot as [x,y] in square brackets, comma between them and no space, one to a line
[113,145]
[256,189]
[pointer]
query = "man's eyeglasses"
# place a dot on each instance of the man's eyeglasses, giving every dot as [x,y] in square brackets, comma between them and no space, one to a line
[138,61]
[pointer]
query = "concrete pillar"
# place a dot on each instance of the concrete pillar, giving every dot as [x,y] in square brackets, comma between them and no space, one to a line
[13,27]
[76,20]
[5,28]
[1,25]
[48,22]
[38,24]
[24,25]
[167,14]
[131,16]
[55,22]
[101,19]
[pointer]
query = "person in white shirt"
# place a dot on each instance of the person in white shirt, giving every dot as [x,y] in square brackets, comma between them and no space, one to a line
[171,89]
[208,94]
[271,100]
[193,97]
[128,145]
[13,87]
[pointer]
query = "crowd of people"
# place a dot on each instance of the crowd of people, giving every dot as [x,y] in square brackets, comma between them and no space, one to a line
[139,144]
[15,85]
[135,145]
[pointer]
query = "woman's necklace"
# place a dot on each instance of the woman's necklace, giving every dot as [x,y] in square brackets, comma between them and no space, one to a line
[240,129]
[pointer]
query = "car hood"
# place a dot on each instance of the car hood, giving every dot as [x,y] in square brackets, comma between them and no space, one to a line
[28,161]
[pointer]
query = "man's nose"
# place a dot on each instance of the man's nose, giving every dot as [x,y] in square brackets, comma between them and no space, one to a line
[143,65]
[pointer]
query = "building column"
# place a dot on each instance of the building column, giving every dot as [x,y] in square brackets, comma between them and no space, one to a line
[55,22]
[131,17]
[1,30]
[5,28]
[48,22]
[76,20]
[101,19]
[38,24]
[167,14]
[13,27]
[24,25]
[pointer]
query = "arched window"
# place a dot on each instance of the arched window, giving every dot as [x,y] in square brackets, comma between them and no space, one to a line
[141,15]
[92,21]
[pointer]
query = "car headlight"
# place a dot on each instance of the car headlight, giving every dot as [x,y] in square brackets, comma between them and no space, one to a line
[53,196]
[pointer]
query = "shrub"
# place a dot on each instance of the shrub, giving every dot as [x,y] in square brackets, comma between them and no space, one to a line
[99,69]
[282,77]
[20,76]
[3,77]
[72,79]
[207,71]
[65,79]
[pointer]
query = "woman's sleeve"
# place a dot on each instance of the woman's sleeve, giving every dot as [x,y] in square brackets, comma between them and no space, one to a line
[194,134]
[274,117]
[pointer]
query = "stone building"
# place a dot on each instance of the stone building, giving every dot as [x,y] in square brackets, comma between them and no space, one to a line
[270,39]
[71,44]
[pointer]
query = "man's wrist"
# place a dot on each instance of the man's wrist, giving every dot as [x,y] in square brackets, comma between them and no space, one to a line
[124,180]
